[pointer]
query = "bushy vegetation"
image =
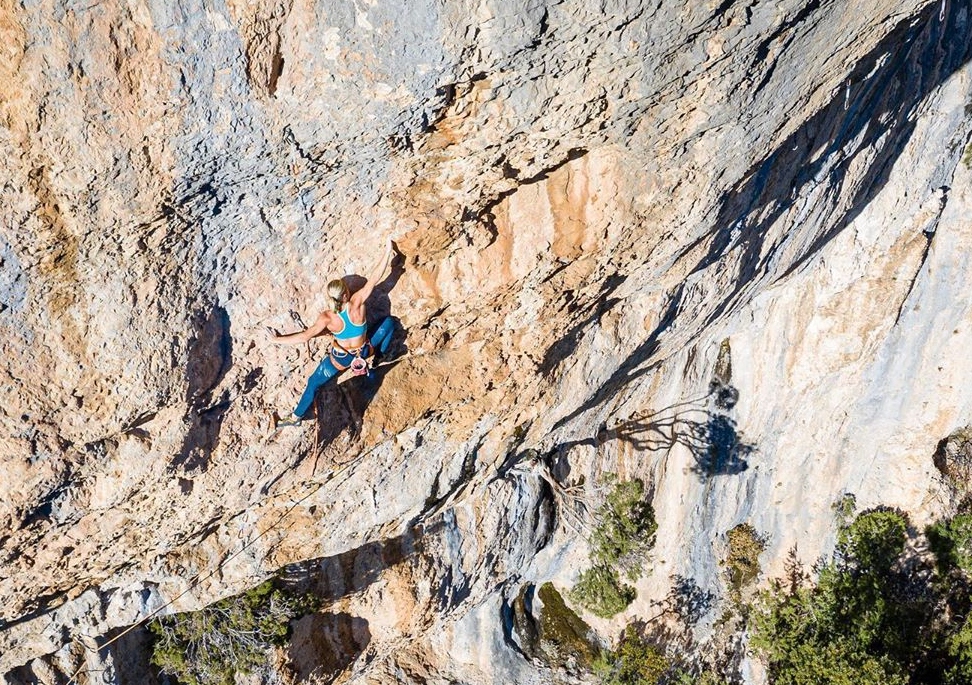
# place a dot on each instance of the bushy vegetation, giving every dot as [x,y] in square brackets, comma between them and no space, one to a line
[623,534]
[625,529]
[634,662]
[600,591]
[210,646]
[878,612]
[742,559]
[951,542]
[875,615]
[640,661]
[706,678]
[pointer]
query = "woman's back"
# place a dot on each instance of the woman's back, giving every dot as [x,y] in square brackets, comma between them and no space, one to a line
[348,330]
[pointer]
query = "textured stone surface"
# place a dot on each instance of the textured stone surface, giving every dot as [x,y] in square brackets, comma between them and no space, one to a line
[589,201]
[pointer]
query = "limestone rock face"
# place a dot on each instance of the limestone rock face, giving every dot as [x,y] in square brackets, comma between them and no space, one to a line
[722,247]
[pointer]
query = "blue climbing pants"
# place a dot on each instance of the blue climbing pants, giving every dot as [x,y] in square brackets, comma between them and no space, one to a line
[327,369]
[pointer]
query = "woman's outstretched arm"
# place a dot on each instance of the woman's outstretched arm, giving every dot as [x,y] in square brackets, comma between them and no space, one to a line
[375,277]
[312,331]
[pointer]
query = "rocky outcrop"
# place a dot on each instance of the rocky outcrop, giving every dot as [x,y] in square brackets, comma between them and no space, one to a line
[718,247]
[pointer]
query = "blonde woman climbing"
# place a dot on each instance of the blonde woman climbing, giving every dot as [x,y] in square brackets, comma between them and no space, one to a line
[351,346]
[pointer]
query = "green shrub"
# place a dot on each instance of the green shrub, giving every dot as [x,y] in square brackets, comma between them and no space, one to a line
[634,662]
[959,648]
[600,591]
[210,646]
[704,678]
[742,560]
[951,542]
[800,635]
[860,623]
[874,540]
[624,532]
[625,529]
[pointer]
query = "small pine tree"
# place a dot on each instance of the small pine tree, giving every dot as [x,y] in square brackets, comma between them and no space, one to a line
[600,591]
[634,662]
[210,646]
[625,529]
[856,624]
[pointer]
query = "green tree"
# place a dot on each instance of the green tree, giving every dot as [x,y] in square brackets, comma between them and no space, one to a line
[634,662]
[600,591]
[625,529]
[623,534]
[951,542]
[210,646]
[799,632]
[959,648]
[859,624]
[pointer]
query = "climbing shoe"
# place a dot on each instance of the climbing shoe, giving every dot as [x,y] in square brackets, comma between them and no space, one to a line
[277,422]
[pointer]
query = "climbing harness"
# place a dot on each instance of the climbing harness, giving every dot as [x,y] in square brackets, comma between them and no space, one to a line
[359,364]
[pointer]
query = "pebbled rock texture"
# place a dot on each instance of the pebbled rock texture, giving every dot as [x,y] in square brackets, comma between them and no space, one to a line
[723,247]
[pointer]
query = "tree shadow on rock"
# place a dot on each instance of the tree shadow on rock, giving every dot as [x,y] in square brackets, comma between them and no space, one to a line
[689,601]
[703,425]
[709,435]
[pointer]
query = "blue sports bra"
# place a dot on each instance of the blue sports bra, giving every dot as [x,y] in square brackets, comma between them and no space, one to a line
[351,329]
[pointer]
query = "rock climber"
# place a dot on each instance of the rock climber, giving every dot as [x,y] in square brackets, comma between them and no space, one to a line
[351,347]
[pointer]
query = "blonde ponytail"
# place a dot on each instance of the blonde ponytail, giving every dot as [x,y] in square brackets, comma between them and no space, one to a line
[336,292]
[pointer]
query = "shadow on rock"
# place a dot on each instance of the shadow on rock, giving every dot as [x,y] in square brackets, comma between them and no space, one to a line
[210,357]
[323,645]
[335,577]
[593,311]
[710,437]
[702,426]
[689,601]
[340,406]
[131,653]
[868,122]
[874,114]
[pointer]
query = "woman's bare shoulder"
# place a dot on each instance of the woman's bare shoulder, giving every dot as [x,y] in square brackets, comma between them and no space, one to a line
[328,319]
[357,312]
